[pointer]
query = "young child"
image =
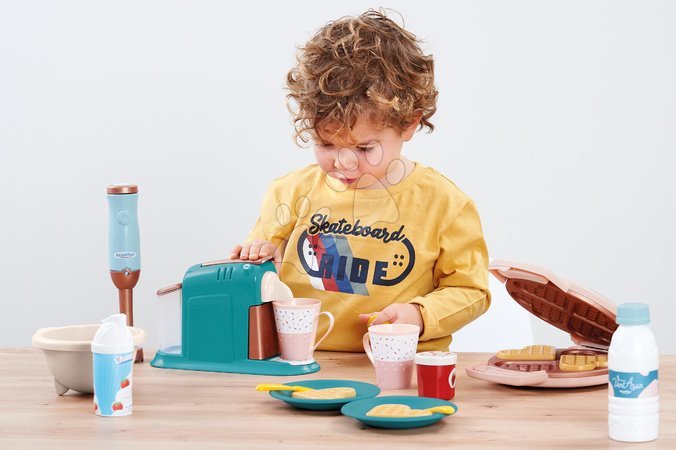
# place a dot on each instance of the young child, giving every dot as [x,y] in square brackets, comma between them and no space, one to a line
[365,230]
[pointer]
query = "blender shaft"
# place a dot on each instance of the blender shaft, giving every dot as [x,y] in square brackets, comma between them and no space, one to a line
[125,281]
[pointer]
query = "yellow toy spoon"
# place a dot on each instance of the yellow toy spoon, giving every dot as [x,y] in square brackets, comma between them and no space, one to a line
[441,409]
[372,318]
[281,387]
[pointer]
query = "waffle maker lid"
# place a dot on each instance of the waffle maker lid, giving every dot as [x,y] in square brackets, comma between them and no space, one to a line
[587,316]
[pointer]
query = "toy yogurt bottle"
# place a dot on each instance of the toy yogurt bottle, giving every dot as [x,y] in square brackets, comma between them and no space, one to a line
[633,403]
[113,358]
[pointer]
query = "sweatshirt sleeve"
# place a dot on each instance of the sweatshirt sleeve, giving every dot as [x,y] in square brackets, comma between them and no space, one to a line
[275,221]
[460,278]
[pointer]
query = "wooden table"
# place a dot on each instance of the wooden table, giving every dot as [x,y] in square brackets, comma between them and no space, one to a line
[183,409]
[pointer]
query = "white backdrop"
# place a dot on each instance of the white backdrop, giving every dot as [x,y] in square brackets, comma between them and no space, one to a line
[556,117]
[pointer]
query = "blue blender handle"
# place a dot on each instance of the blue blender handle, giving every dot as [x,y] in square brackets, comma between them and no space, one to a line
[124,249]
[123,234]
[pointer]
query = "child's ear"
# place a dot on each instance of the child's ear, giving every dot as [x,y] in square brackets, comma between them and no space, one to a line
[407,133]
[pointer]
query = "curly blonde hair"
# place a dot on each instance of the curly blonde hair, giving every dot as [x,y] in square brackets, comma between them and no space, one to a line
[366,66]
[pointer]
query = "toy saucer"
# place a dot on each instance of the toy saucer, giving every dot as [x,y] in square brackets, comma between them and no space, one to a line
[364,391]
[358,409]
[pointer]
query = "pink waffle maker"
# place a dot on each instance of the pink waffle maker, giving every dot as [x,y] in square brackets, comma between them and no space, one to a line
[586,315]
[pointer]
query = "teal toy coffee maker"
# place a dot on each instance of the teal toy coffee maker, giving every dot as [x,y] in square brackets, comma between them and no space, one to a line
[220,319]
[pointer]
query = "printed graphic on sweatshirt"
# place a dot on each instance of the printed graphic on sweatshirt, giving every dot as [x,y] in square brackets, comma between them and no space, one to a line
[327,258]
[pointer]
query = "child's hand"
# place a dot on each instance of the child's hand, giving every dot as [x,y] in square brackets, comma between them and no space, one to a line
[257,249]
[396,313]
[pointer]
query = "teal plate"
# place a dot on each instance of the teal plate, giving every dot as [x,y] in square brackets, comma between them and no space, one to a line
[358,409]
[364,391]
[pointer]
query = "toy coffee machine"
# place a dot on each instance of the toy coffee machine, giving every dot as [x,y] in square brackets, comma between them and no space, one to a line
[220,319]
[586,315]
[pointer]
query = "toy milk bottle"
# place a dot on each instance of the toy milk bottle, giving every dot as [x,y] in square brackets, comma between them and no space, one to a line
[633,403]
[113,354]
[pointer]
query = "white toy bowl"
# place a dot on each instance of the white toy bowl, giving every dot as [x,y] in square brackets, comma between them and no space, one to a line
[69,356]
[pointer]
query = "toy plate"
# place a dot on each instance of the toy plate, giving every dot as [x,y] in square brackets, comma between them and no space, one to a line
[364,391]
[358,409]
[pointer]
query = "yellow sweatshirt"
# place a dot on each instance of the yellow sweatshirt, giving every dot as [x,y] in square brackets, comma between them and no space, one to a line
[359,250]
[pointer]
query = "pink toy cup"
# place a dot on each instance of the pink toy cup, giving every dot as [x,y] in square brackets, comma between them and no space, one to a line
[391,349]
[436,374]
[296,321]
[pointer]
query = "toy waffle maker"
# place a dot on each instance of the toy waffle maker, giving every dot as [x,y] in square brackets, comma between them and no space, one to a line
[586,315]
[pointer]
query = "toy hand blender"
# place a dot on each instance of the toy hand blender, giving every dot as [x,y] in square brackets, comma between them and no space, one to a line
[124,247]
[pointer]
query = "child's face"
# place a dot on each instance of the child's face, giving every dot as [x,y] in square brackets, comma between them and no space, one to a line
[363,158]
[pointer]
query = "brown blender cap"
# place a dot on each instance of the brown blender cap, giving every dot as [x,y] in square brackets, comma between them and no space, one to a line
[117,189]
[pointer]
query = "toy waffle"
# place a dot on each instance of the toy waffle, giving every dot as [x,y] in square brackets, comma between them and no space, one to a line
[529,353]
[396,410]
[326,394]
[395,406]
[586,315]
[362,391]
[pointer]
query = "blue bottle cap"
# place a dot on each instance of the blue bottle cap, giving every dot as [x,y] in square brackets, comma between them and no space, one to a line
[633,314]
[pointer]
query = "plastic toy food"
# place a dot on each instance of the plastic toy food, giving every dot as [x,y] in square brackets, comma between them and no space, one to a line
[321,395]
[577,361]
[310,393]
[530,353]
[326,394]
[398,410]
[394,410]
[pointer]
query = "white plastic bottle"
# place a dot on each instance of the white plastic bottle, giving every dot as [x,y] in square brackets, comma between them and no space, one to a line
[633,401]
[113,359]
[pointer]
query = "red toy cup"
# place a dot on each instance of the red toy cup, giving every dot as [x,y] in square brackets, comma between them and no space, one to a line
[436,374]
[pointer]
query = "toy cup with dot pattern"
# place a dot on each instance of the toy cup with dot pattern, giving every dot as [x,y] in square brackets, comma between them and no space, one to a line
[391,349]
[296,322]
